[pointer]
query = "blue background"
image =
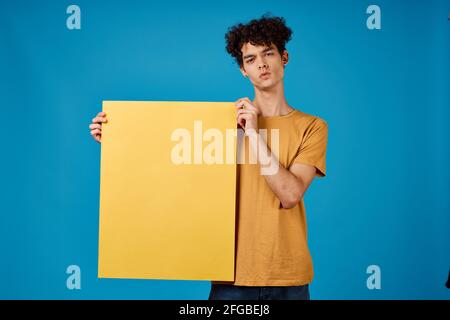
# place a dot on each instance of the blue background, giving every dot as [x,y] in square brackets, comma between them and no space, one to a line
[384,94]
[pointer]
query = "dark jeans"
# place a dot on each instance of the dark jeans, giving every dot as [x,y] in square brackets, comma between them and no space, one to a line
[230,292]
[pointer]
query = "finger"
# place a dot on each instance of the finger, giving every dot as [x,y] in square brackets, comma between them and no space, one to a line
[245,111]
[241,121]
[252,111]
[96,131]
[246,116]
[101,114]
[243,99]
[242,104]
[246,99]
[239,113]
[243,118]
[247,105]
[239,106]
[95,126]
[99,120]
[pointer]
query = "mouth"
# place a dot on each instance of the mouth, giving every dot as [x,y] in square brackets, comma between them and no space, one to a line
[264,75]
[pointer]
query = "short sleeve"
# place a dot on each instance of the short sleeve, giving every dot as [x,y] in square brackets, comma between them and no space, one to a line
[312,150]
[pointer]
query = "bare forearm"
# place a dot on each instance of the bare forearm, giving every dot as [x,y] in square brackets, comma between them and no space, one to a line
[286,186]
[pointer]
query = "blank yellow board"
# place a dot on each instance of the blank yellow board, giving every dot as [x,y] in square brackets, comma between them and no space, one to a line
[160,219]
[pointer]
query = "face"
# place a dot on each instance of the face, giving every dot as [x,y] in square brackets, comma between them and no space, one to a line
[263,65]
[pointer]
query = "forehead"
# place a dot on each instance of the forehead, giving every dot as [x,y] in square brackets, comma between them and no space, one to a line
[249,48]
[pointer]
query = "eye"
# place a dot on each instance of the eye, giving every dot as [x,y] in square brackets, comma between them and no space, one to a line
[250,60]
[270,53]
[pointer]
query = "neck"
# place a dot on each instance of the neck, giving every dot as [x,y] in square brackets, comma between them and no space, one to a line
[272,101]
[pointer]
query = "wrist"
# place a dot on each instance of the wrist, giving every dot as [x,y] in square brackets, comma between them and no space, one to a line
[251,132]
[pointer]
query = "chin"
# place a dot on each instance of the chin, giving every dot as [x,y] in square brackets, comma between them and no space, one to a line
[266,85]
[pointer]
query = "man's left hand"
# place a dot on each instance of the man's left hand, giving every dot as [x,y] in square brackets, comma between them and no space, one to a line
[247,115]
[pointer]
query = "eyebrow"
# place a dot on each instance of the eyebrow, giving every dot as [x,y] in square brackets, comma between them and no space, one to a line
[252,55]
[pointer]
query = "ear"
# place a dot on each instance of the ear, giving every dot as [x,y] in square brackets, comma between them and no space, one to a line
[285,57]
[243,72]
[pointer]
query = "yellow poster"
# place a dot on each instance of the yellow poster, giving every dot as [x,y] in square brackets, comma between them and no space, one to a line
[168,190]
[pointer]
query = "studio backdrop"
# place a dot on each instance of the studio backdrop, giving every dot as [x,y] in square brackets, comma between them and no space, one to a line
[376,71]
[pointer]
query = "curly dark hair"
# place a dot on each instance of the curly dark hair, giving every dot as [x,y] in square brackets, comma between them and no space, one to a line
[263,31]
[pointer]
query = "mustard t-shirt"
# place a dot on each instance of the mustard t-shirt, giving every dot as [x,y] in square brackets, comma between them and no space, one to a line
[271,242]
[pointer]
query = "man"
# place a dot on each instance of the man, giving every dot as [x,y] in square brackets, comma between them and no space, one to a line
[272,255]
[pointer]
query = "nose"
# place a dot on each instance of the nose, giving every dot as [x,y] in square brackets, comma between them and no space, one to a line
[262,65]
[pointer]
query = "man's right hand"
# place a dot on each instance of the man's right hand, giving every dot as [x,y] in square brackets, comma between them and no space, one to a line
[96,126]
